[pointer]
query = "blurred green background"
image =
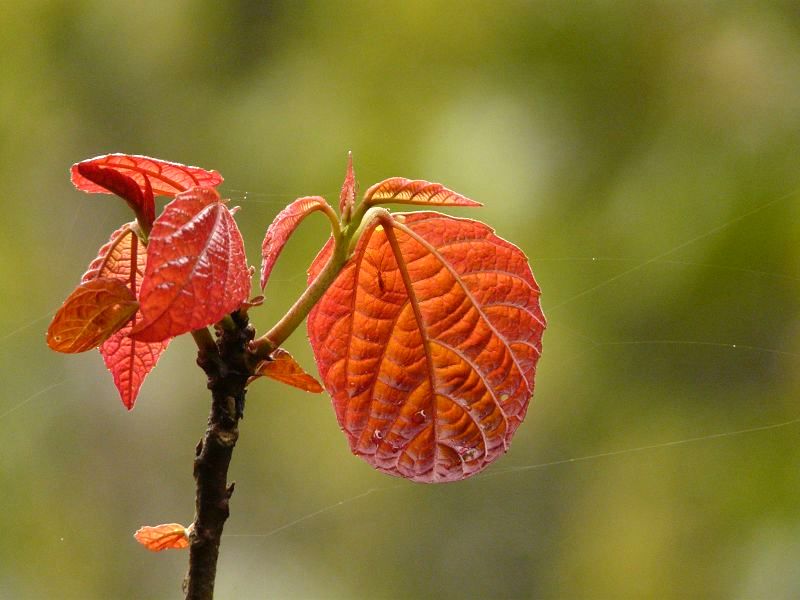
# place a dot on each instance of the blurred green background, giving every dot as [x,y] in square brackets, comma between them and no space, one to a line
[643,154]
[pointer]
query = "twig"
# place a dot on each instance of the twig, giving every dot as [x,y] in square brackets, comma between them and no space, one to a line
[227,377]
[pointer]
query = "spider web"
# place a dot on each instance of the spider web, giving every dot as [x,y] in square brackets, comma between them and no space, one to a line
[511,469]
[631,267]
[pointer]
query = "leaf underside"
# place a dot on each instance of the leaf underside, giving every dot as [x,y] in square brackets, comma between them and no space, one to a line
[281,228]
[162,537]
[165,178]
[90,315]
[139,198]
[196,270]
[129,361]
[399,190]
[430,354]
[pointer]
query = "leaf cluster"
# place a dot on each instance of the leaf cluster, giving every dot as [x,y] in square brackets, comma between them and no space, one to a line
[426,328]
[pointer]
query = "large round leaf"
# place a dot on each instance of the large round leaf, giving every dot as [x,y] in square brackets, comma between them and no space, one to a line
[427,342]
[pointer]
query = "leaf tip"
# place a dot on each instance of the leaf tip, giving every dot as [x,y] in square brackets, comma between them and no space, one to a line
[347,196]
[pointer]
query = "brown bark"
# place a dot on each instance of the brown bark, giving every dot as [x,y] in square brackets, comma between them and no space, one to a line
[227,371]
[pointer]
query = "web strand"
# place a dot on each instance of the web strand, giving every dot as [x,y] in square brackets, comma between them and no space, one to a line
[671,444]
[33,397]
[280,199]
[673,250]
[496,472]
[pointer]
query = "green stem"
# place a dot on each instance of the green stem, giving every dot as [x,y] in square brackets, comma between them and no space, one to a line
[344,244]
[143,228]
[227,323]
[365,218]
[263,346]
[331,214]
[204,340]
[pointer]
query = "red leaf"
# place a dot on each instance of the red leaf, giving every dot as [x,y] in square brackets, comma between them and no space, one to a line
[427,342]
[320,259]
[347,196]
[196,269]
[284,368]
[399,190]
[165,178]
[128,360]
[140,199]
[163,537]
[90,315]
[282,227]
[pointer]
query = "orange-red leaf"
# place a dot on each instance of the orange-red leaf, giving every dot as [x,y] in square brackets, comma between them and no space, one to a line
[196,269]
[398,190]
[139,198]
[282,227]
[165,178]
[284,368]
[129,361]
[90,315]
[163,537]
[427,342]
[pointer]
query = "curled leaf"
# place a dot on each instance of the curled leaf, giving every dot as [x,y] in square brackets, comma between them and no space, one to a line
[196,269]
[118,258]
[129,361]
[164,177]
[284,368]
[398,190]
[282,227]
[163,537]
[139,198]
[90,315]
[427,342]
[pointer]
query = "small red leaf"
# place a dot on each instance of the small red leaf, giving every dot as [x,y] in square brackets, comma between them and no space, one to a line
[284,368]
[320,260]
[427,342]
[90,315]
[165,178]
[347,196]
[398,190]
[129,361]
[282,227]
[196,269]
[139,198]
[163,537]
